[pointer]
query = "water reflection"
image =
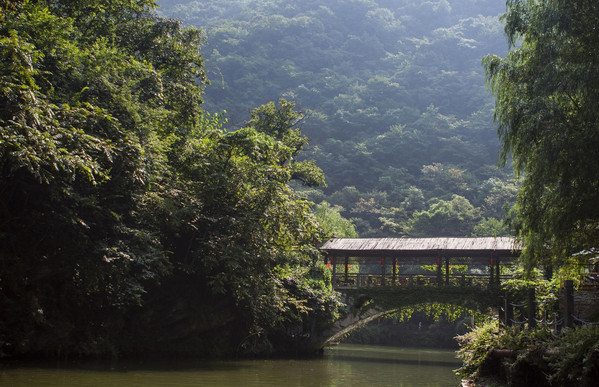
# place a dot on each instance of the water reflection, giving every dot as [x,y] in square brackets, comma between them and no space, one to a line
[345,365]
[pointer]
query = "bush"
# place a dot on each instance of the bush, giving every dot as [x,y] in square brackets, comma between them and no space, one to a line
[537,357]
[576,358]
[540,357]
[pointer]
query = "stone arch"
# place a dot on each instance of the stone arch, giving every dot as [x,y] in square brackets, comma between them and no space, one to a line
[368,304]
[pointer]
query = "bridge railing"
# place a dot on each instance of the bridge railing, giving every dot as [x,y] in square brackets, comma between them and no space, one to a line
[359,280]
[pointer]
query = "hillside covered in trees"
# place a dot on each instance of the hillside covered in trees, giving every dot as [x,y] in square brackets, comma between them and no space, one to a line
[394,93]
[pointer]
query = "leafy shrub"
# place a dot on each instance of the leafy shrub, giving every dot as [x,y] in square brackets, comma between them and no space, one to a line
[539,357]
[576,358]
[475,350]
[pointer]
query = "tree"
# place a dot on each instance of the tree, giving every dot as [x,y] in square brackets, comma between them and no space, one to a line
[241,233]
[333,223]
[125,206]
[365,87]
[455,217]
[547,90]
[79,138]
[280,123]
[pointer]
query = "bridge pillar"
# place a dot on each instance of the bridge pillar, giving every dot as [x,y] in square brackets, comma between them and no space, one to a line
[394,271]
[439,272]
[447,271]
[491,269]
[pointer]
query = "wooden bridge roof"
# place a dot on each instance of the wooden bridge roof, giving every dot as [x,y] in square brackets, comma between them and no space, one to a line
[500,247]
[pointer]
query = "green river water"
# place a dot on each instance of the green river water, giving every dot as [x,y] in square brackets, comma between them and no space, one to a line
[344,365]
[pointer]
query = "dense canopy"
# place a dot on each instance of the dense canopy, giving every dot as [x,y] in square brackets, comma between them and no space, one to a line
[546,110]
[131,220]
[396,107]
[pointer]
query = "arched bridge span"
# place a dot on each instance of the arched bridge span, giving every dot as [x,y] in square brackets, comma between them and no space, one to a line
[367,304]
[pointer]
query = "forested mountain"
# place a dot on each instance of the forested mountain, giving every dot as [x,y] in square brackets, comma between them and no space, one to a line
[396,107]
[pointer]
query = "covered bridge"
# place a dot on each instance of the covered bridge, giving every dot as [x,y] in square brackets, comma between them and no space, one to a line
[395,252]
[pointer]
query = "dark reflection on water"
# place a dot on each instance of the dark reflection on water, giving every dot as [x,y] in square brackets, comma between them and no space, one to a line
[345,365]
[406,362]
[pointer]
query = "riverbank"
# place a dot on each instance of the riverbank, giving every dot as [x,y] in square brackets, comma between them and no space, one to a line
[537,357]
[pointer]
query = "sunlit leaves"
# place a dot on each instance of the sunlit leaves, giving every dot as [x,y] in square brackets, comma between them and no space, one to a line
[546,95]
[45,139]
[333,223]
[571,358]
[241,228]
[453,217]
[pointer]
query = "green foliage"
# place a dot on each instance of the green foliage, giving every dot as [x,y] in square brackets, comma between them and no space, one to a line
[546,97]
[525,367]
[396,107]
[333,223]
[573,267]
[576,357]
[279,122]
[437,300]
[546,291]
[442,312]
[75,148]
[249,223]
[490,227]
[537,357]
[128,210]
[476,347]
[445,218]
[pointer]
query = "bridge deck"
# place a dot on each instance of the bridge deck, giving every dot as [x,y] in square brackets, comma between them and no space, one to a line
[361,280]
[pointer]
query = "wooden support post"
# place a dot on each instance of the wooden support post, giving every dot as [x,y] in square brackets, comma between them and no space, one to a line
[334,260]
[569,303]
[346,277]
[382,271]
[447,271]
[532,308]
[491,280]
[394,280]
[497,277]
[439,272]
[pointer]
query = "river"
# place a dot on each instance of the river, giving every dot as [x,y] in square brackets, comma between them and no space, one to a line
[341,366]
